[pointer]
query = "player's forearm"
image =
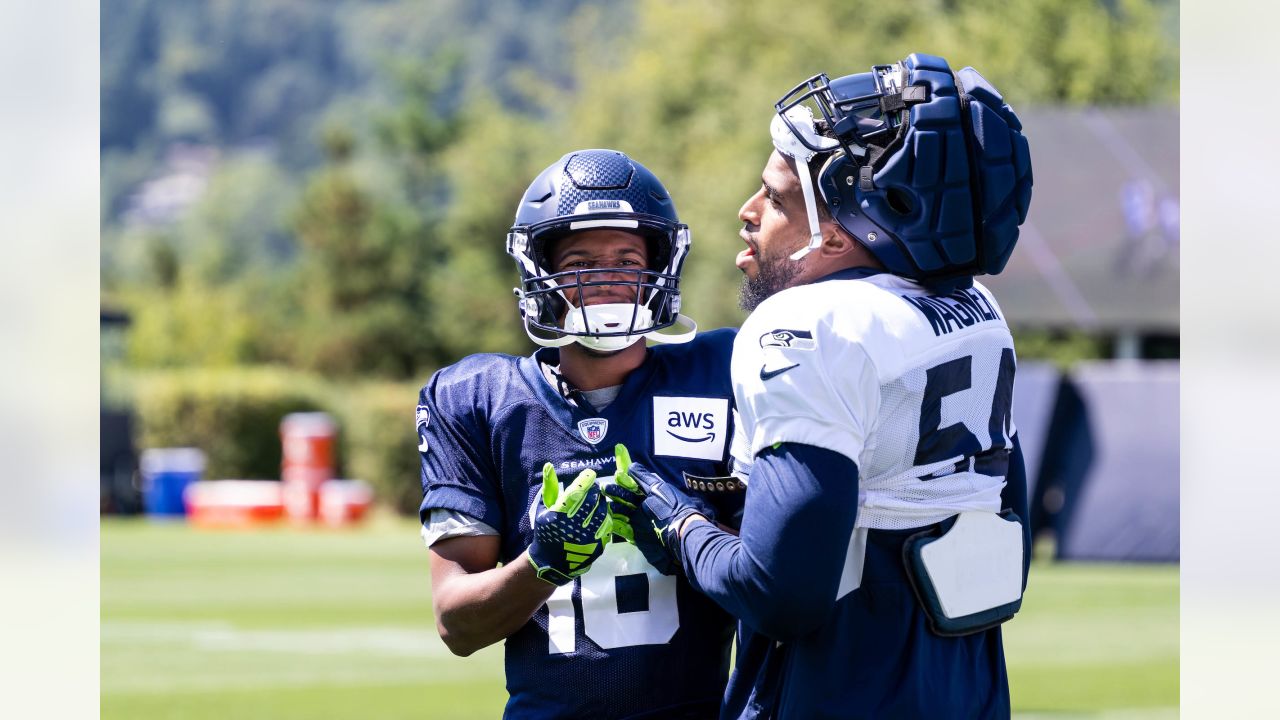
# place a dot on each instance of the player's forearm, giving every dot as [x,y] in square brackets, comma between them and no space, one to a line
[476,610]
[719,565]
[781,575]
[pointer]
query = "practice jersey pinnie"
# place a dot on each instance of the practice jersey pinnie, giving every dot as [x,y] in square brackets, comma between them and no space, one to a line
[622,640]
[915,388]
[904,383]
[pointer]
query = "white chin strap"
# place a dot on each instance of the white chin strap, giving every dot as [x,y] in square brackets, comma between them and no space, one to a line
[612,318]
[788,144]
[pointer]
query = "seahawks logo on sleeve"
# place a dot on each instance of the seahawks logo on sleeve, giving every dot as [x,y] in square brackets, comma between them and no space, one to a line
[774,342]
[796,339]
[423,417]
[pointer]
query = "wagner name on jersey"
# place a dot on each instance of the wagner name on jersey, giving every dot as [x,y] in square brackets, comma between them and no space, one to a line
[621,635]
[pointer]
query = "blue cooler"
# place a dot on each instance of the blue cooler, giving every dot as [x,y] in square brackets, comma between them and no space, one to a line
[166,473]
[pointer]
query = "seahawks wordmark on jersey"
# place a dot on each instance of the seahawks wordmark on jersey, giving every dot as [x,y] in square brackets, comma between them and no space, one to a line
[622,639]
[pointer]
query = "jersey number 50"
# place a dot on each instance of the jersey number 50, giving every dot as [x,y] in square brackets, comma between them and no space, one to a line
[942,443]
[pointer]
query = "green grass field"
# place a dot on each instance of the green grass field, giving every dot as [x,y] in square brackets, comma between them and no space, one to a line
[337,624]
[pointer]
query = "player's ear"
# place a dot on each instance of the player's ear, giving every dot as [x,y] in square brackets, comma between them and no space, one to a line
[837,243]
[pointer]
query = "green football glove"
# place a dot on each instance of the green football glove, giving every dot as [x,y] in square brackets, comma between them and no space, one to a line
[652,509]
[624,497]
[570,527]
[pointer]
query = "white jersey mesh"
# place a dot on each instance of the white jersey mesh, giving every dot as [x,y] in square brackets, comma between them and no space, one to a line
[894,493]
[846,365]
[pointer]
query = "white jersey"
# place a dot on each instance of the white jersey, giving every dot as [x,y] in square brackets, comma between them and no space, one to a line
[914,388]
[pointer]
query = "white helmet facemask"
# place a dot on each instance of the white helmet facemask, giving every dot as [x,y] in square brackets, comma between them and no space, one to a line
[608,327]
[787,143]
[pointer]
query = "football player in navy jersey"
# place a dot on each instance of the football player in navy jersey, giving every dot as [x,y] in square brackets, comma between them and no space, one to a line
[592,629]
[884,537]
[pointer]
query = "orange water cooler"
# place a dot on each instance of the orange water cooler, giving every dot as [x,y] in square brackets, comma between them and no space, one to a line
[234,503]
[307,461]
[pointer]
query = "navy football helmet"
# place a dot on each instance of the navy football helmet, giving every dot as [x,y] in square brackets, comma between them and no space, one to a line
[927,168]
[599,189]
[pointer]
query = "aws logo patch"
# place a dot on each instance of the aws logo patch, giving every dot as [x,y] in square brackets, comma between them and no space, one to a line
[686,422]
[690,427]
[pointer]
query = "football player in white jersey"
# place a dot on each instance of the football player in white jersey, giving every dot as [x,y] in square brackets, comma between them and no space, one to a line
[883,540]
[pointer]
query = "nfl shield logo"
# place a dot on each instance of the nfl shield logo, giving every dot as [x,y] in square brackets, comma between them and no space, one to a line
[593,429]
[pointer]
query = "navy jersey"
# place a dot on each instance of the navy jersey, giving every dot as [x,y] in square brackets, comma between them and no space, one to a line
[622,640]
[873,658]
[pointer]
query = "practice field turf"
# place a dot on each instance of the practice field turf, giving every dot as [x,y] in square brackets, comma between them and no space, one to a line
[310,624]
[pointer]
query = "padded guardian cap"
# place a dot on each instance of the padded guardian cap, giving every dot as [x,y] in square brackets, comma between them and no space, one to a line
[927,168]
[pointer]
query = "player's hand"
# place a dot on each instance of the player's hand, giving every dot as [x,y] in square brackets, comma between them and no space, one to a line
[662,509]
[571,527]
[624,497]
[625,500]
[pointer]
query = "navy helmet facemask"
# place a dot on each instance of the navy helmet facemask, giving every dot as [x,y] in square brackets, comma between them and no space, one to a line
[928,169]
[599,189]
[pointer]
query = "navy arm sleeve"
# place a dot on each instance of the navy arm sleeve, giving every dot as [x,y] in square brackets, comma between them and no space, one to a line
[781,574]
[1014,497]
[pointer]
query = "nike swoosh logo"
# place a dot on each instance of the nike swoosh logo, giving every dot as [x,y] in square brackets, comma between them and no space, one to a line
[766,374]
[691,440]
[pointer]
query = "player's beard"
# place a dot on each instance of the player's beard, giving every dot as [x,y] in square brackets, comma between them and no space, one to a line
[773,274]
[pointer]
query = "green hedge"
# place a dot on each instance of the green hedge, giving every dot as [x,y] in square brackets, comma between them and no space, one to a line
[380,441]
[234,415]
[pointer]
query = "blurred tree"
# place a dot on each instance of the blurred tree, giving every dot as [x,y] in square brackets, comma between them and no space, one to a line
[359,285]
[413,133]
[229,74]
[1065,51]
[188,323]
[498,152]
[163,262]
[131,38]
[240,223]
[218,73]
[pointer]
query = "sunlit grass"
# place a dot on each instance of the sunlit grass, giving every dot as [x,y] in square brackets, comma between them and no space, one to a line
[289,623]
